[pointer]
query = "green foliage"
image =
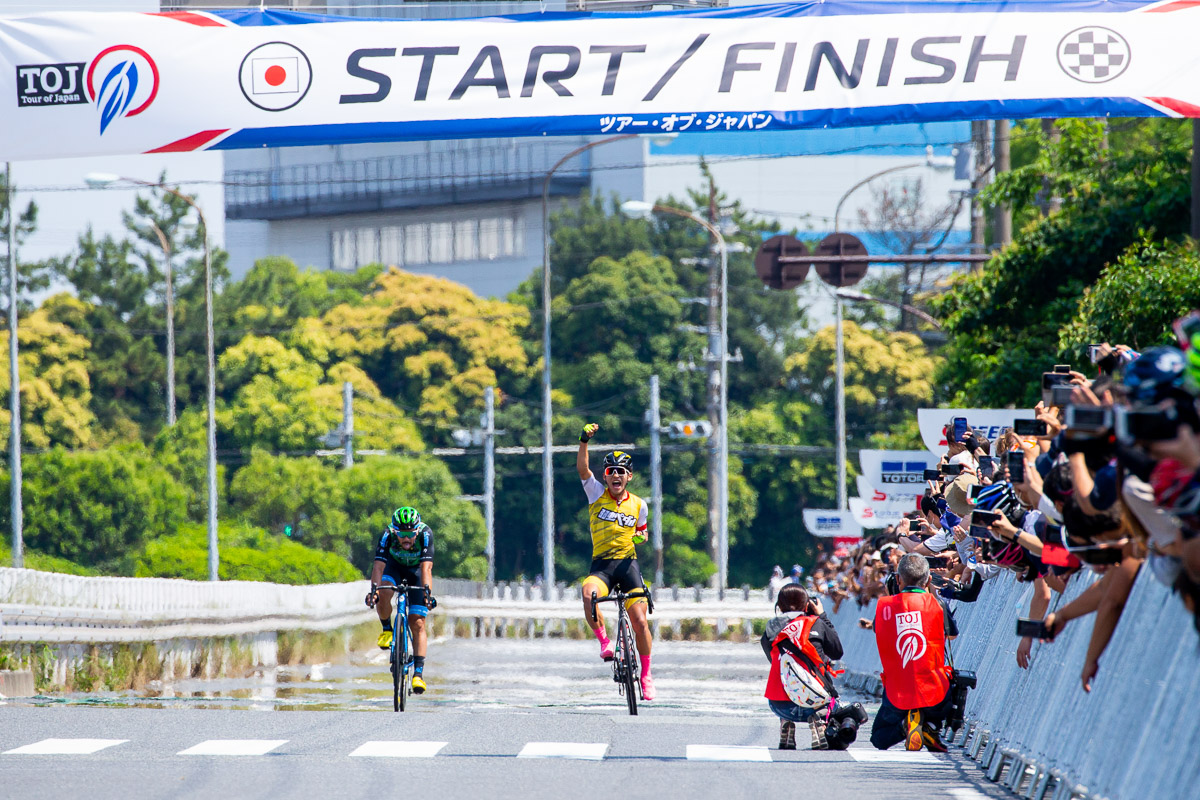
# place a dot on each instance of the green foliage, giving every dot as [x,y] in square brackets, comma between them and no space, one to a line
[1136,299]
[44,563]
[94,508]
[1004,320]
[247,554]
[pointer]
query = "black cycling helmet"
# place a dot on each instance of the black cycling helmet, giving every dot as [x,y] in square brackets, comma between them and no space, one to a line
[1151,378]
[619,458]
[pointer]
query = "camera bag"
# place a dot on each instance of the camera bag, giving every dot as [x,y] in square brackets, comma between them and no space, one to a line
[806,678]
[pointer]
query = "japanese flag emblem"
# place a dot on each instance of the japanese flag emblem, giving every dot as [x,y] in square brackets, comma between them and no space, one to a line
[275,76]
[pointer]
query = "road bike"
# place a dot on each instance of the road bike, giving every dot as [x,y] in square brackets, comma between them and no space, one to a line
[399,659]
[625,662]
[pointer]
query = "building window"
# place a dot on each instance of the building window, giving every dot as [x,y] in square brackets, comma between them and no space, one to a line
[418,244]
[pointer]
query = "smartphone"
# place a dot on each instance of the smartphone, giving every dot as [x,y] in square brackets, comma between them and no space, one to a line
[1088,419]
[1062,369]
[1033,628]
[1100,555]
[980,532]
[932,475]
[984,518]
[958,427]
[1016,466]
[987,467]
[950,469]
[937,562]
[1051,534]
[1061,395]
[1094,352]
[1030,427]
[1150,425]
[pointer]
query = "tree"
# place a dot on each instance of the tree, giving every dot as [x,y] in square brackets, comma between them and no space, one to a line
[1136,299]
[95,508]
[1004,320]
[55,382]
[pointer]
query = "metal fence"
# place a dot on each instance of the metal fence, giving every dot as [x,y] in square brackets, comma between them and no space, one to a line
[1133,737]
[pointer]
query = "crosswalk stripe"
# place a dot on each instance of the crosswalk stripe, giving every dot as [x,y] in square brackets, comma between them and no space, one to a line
[232,747]
[721,752]
[580,750]
[62,747]
[398,749]
[895,757]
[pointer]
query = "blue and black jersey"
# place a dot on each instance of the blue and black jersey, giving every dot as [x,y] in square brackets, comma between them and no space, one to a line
[392,554]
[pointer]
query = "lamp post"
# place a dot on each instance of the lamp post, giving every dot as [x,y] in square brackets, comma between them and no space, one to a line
[636,208]
[547,408]
[101,180]
[934,162]
[167,254]
[14,383]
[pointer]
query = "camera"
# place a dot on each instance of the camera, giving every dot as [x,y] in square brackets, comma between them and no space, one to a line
[1155,424]
[950,469]
[961,681]
[1049,381]
[843,726]
[1094,353]
[932,475]
[1016,466]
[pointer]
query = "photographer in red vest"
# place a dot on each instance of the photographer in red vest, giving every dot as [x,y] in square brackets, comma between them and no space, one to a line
[910,632]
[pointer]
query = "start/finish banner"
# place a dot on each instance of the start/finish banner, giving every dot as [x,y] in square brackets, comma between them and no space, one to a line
[75,84]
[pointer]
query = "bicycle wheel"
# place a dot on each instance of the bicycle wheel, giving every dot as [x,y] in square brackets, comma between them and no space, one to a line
[630,665]
[399,659]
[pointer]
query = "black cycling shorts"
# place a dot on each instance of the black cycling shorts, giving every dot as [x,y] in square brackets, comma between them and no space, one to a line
[618,573]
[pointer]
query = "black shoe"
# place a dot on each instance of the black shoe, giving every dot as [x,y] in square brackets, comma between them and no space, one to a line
[930,738]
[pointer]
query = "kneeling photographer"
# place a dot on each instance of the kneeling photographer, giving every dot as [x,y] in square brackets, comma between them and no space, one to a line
[910,632]
[801,643]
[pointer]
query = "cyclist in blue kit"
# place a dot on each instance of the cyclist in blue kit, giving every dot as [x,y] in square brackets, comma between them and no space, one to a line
[405,554]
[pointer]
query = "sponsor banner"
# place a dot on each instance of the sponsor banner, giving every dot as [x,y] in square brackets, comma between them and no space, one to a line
[897,473]
[870,515]
[74,84]
[988,421]
[873,496]
[829,523]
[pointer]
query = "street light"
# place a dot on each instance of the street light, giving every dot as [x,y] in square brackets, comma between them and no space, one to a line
[167,256]
[98,180]
[547,409]
[940,163]
[14,383]
[638,208]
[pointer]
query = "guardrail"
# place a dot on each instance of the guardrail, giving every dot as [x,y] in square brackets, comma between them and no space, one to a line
[51,607]
[1133,737]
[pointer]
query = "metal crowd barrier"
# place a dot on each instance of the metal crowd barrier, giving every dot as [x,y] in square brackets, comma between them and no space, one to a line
[1134,736]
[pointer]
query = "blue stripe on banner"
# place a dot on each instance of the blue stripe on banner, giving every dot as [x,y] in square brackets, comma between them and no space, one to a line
[351,133]
[834,8]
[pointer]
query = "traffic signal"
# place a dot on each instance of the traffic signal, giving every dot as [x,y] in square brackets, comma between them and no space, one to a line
[690,429]
[287,530]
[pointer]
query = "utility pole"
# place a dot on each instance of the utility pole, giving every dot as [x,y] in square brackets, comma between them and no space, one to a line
[1002,223]
[347,425]
[1195,180]
[714,393]
[489,478]
[979,142]
[14,381]
[656,482]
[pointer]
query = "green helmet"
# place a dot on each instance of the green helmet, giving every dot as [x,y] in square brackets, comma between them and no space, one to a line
[405,518]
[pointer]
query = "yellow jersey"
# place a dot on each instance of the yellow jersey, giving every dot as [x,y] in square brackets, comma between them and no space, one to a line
[614,524]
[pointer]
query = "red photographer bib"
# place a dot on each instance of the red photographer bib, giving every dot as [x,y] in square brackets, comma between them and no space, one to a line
[911,637]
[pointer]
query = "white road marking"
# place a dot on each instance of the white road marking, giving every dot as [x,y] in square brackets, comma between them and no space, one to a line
[581,750]
[721,752]
[233,747]
[397,749]
[72,747]
[871,756]
[966,794]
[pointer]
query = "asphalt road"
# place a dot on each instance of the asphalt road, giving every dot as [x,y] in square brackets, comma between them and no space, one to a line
[503,718]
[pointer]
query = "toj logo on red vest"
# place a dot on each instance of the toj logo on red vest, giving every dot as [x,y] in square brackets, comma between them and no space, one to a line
[910,637]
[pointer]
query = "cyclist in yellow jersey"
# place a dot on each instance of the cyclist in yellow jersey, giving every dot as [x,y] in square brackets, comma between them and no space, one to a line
[618,522]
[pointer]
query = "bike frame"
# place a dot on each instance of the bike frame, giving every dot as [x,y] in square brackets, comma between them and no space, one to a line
[625,666]
[400,638]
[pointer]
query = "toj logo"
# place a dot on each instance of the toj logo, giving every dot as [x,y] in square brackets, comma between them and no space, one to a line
[128,82]
[1093,54]
[910,637]
[50,85]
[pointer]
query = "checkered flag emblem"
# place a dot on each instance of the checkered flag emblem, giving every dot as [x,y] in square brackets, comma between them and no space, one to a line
[1093,54]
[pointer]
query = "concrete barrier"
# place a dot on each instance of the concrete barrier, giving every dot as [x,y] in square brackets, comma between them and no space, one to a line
[1133,737]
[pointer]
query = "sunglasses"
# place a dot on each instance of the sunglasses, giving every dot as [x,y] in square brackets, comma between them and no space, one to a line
[402,533]
[616,471]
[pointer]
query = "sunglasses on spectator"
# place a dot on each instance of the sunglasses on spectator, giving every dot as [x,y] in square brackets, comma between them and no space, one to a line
[616,471]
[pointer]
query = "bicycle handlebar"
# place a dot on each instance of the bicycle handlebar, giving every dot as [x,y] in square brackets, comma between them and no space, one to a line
[619,596]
